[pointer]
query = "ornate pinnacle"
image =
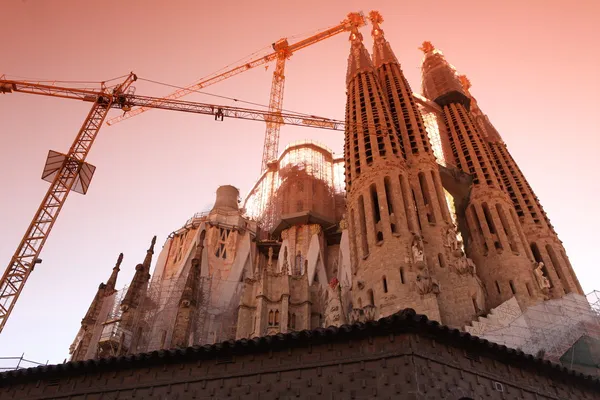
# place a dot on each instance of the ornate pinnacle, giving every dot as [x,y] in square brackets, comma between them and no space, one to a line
[152,244]
[112,281]
[119,261]
[427,47]
[149,253]
[376,19]
[355,36]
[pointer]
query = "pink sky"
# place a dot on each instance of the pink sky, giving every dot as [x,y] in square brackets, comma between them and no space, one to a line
[533,65]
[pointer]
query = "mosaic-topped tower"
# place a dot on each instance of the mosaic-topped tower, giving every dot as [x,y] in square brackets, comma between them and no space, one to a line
[547,249]
[493,235]
[430,219]
[389,268]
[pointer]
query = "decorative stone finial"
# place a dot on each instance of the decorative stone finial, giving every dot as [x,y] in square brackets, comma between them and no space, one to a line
[119,261]
[112,281]
[376,19]
[427,47]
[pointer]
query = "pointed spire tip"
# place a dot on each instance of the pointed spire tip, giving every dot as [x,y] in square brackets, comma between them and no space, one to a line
[152,244]
[119,260]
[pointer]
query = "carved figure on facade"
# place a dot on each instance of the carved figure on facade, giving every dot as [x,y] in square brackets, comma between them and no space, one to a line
[369,312]
[270,260]
[418,251]
[334,314]
[452,241]
[465,266]
[426,284]
[285,267]
[343,223]
[541,279]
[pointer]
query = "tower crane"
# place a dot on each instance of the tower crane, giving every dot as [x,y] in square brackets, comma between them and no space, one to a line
[70,171]
[282,51]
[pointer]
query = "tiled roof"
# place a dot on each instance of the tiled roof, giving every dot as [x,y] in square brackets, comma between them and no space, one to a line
[406,321]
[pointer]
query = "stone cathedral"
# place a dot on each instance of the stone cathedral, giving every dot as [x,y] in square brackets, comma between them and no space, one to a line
[426,210]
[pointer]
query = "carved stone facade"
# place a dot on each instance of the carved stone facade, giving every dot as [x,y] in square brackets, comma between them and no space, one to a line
[319,256]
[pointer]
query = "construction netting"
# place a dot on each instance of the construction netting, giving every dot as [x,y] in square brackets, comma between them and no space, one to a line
[565,330]
[213,315]
[302,166]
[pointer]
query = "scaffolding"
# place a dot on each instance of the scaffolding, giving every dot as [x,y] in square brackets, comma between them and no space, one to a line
[213,318]
[305,161]
[550,329]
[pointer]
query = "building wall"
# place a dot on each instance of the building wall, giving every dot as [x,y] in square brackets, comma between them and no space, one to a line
[396,365]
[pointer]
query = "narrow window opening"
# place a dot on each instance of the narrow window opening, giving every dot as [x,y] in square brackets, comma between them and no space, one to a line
[276,317]
[385,288]
[416,210]
[536,252]
[375,200]
[388,197]
[498,288]
[423,186]
[363,226]
[402,276]
[512,287]
[371,297]
[506,227]
[488,218]
[271,319]
[557,267]
[441,261]
[405,201]
[440,196]
[475,307]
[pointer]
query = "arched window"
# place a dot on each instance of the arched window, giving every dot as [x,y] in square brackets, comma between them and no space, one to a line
[271,318]
[277,318]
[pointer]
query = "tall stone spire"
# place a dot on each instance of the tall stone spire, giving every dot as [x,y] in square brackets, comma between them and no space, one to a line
[432,219]
[139,282]
[112,281]
[82,342]
[493,236]
[188,304]
[379,200]
[539,232]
